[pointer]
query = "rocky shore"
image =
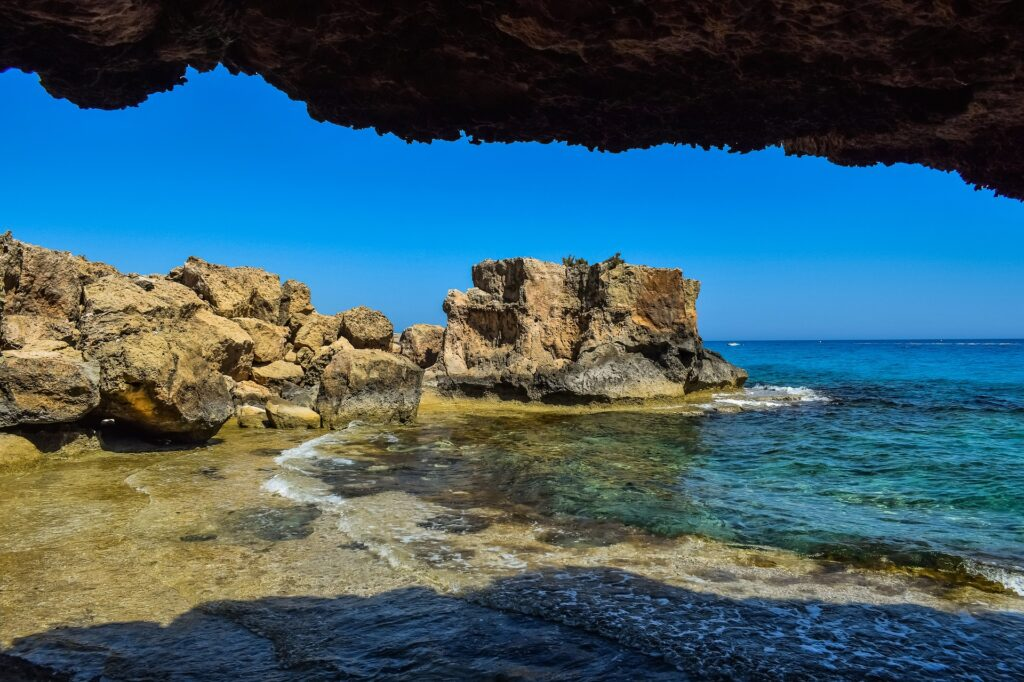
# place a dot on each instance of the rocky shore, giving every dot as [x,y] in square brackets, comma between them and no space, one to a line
[176,356]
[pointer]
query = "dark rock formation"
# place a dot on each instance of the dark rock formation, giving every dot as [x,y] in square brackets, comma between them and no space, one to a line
[938,83]
[572,333]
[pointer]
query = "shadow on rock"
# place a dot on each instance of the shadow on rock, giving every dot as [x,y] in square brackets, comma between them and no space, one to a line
[558,624]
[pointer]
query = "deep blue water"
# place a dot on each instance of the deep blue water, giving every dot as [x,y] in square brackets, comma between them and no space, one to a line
[917,456]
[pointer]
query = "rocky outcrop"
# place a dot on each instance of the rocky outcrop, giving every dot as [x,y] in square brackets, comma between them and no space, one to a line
[571,333]
[233,292]
[173,357]
[421,343]
[936,83]
[368,385]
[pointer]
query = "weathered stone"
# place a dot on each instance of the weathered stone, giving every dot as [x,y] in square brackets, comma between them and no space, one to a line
[367,328]
[421,343]
[233,292]
[936,83]
[533,330]
[368,385]
[295,303]
[276,373]
[269,340]
[316,331]
[41,386]
[161,353]
[251,417]
[18,331]
[250,393]
[287,415]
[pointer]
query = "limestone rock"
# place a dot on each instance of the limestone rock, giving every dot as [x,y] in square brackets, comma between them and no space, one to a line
[368,385]
[43,386]
[161,353]
[233,292]
[277,373]
[269,340]
[316,331]
[283,414]
[250,393]
[18,330]
[367,328]
[295,303]
[533,330]
[251,417]
[421,343]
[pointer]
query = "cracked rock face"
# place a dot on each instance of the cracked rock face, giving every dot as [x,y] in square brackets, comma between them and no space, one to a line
[531,330]
[938,83]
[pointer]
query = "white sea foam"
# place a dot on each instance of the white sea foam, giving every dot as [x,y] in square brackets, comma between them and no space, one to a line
[766,397]
[1010,579]
[305,491]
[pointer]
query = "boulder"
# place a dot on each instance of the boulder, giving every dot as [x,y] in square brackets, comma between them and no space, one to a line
[46,385]
[367,328]
[421,343]
[250,393]
[317,331]
[276,373]
[251,417]
[163,356]
[19,330]
[269,340]
[283,414]
[368,385]
[574,333]
[233,292]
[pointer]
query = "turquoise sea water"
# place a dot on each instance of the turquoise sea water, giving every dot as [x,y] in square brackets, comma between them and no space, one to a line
[886,453]
[917,456]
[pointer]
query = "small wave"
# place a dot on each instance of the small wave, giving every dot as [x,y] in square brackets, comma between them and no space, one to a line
[306,491]
[1010,579]
[766,397]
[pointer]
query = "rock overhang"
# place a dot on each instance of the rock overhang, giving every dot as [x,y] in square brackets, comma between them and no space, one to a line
[937,83]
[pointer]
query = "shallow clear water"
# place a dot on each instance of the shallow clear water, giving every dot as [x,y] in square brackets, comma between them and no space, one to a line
[857,512]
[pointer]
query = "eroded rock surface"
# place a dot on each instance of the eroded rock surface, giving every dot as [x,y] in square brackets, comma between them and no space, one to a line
[421,343]
[533,330]
[368,385]
[938,83]
[174,356]
[367,328]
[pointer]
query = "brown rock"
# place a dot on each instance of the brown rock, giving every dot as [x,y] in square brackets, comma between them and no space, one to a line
[317,331]
[18,331]
[161,353]
[286,415]
[295,303]
[367,328]
[233,292]
[269,340]
[421,343]
[44,386]
[251,417]
[368,385]
[544,331]
[277,373]
[250,393]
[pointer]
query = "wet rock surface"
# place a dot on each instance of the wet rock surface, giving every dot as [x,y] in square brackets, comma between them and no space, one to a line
[885,81]
[570,333]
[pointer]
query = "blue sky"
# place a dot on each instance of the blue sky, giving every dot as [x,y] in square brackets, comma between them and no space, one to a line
[231,170]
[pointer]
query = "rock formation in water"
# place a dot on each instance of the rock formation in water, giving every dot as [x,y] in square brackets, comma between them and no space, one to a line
[573,333]
[178,356]
[937,83]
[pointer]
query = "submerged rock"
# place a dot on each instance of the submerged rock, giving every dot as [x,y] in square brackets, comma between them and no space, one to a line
[421,343]
[368,385]
[534,330]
